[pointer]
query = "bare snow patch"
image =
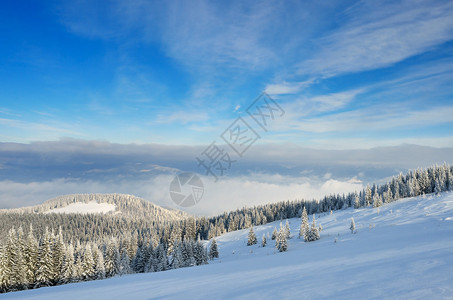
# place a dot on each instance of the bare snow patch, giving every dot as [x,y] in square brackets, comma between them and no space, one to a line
[84,208]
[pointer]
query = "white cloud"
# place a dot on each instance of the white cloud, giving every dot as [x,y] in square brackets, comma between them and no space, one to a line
[284,88]
[375,118]
[182,117]
[381,35]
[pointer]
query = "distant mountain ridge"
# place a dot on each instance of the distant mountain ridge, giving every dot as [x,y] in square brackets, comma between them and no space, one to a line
[125,206]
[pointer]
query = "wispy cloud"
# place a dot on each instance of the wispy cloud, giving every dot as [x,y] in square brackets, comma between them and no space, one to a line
[38,130]
[375,118]
[182,117]
[287,87]
[381,35]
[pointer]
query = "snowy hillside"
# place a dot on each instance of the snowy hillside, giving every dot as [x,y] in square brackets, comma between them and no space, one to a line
[401,250]
[122,204]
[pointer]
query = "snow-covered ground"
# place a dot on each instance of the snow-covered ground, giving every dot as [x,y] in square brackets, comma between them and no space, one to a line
[91,207]
[402,250]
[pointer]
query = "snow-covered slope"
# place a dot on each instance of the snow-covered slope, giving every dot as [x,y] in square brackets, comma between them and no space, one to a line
[402,250]
[91,207]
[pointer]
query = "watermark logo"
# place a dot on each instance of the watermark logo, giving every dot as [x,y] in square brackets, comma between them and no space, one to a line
[186,189]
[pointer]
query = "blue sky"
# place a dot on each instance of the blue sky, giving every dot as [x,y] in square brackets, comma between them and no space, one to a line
[349,74]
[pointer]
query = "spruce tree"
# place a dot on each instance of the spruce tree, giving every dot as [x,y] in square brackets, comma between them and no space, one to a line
[57,257]
[99,265]
[281,242]
[44,273]
[31,258]
[287,230]
[368,195]
[352,227]
[112,259]
[5,271]
[138,263]
[213,251]
[274,234]
[313,233]
[125,264]
[356,200]
[88,265]
[263,241]
[177,260]
[251,237]
[304,226]
[68,269]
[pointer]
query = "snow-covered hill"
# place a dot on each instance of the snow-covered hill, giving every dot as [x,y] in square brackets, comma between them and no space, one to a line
[115,204]
[401,250]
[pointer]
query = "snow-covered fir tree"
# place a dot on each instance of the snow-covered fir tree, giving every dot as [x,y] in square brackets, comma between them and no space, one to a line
[31,258]
[125,264]
[287,230]
[88,264]
[44,274]
[313,233]
[274,234]
[304,227]
[368,195]
[352,226]
[213,250]
[281,242]
[263,241]
[112,259]
[177,260]
[356,200]
[251,237]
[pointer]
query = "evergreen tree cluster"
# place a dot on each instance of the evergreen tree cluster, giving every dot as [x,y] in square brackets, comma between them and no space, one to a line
[27,262]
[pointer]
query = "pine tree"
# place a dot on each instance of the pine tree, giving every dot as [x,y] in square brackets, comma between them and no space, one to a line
[377,200]
[388,197]
[138,263]
[251,238]
[112,259]
[304,227]
[287,230]
[160,260]
[213,251]
[281,242]
[125,264]
[99,264]
[352,227]
[437,187]
[177,260]
[5,271]
[201,258]
[57,257]
[263,241]
[274,234]
[78,268]
[44,273]
[356,200]
[187,254]
[31,258]
[20,271]
[367,195]
[313,233]
[88,266]
[175,237]
[68,268]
